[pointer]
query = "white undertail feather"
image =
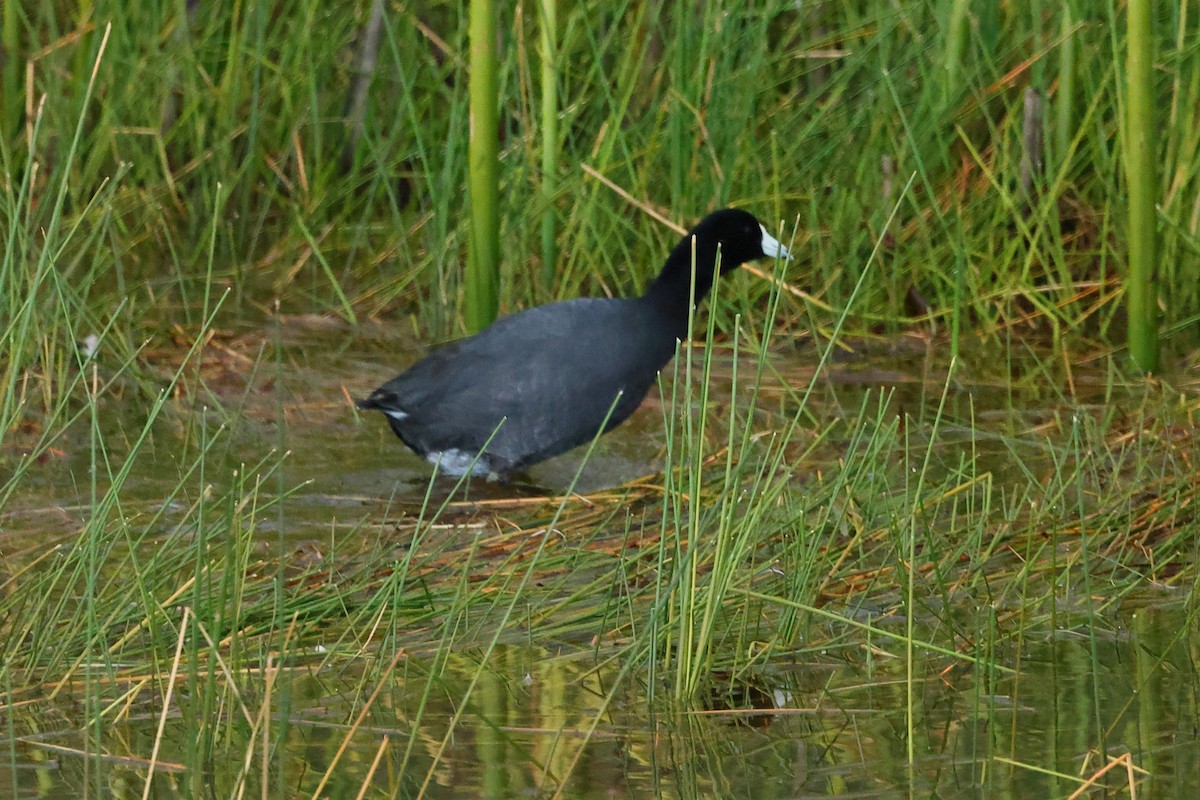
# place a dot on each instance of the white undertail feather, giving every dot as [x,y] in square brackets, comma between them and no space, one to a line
[457,462]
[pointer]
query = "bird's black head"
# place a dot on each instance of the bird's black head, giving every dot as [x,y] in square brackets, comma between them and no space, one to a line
[735,234]
[739,236]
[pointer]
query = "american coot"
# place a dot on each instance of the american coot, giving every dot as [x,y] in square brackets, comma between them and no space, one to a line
[539,382]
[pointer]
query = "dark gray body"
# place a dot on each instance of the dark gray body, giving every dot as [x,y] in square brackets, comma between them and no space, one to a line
[575,357]
[545,380]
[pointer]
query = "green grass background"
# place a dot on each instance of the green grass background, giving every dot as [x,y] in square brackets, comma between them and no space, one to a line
[173,173]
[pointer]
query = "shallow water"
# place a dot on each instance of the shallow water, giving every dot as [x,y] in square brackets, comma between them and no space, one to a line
[835,721]
[836,725]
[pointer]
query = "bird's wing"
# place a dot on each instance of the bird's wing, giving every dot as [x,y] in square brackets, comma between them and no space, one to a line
[555,396]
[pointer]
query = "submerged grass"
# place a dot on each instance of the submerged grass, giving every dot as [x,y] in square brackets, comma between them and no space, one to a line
[743,567]
[835,534]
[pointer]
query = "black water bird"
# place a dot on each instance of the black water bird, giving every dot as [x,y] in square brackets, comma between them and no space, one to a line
[542,381]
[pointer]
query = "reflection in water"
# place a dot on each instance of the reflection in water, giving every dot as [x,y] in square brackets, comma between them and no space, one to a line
[529,719]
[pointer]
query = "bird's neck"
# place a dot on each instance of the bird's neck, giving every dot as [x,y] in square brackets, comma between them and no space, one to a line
[673,291]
